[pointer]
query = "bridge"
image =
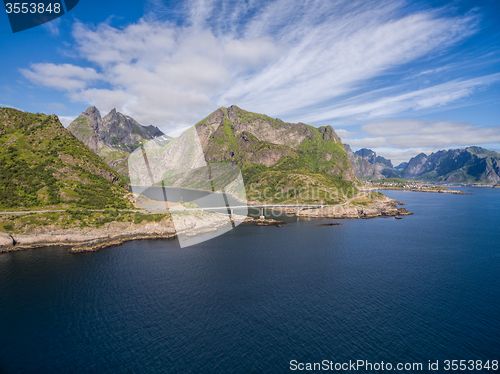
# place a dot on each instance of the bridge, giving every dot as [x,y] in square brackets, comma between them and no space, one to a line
[230,209]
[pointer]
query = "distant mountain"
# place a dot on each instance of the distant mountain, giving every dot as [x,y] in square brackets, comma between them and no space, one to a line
[401,166]
[363,169]
[112,137]
[274,156]
[469,165]
[367,154]
[383,165]
[43,164]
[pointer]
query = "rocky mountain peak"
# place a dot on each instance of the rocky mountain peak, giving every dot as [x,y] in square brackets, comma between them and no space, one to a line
[401,166]
[92,110]
[93,117]
[367,154]
[329,133]
[382,164]
[112,115]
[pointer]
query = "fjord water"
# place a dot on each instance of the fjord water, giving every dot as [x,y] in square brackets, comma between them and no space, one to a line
[422,288]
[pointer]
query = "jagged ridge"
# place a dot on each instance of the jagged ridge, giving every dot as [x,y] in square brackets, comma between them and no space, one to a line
[113,137]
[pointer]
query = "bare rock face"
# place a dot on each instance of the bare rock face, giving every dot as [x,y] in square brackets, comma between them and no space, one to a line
[115,130]
[125,132]
[87,128]
[416,166]
[94,119]
[328,133]
[6,240]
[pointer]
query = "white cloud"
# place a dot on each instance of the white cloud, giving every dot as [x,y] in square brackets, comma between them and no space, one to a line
[62,76]
[334,59]
[422,133]
[344,133]
[366,107]
[367,142]
[281,58]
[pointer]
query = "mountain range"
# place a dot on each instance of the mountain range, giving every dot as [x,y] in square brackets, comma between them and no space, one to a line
[43,164]
[263,146]
[469,165]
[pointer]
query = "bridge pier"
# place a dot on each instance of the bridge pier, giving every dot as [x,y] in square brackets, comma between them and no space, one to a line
[262,214]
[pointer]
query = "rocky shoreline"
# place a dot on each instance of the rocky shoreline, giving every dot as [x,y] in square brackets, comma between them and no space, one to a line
[110,234]
[87,239]
[115,233]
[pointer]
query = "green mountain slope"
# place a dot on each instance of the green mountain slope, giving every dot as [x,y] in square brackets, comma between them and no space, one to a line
[281,162]
[42,164]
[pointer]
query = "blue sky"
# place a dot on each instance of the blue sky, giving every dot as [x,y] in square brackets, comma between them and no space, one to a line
[399,77]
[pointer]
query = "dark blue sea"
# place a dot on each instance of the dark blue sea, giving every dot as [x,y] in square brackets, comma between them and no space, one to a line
[420,289]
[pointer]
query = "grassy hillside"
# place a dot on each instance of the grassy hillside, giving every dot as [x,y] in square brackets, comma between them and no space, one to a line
[44,165]
[277,157]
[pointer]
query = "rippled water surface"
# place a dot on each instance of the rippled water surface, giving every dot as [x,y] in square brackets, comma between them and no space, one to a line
[422,288]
